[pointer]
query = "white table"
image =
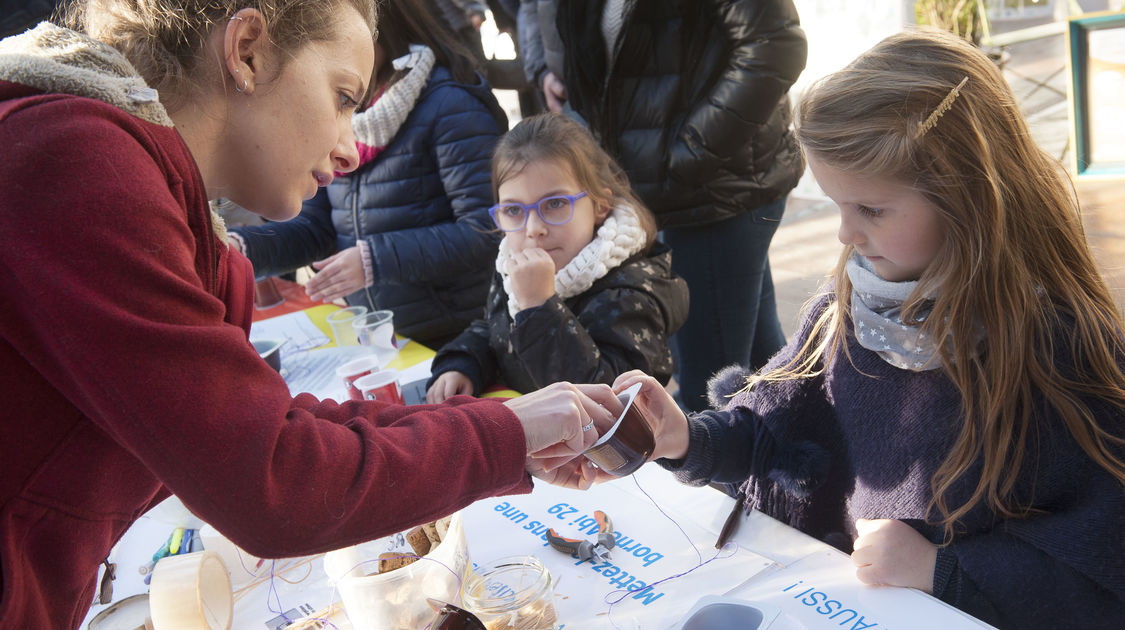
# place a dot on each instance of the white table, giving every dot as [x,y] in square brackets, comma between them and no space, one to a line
[669,531]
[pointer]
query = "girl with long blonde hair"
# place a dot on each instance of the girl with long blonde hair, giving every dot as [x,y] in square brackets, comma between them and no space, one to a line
[951,409]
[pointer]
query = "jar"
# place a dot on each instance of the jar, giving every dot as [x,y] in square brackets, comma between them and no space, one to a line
[512,593]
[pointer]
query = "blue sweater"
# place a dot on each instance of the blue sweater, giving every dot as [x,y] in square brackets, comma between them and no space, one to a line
[421,205]
[864,440]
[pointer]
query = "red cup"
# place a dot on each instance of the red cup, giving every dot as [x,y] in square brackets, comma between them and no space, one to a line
[354,370]
[382,385]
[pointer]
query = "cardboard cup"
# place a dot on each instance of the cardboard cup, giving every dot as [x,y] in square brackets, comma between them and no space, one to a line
[382,385]
[354,370]
[629,443]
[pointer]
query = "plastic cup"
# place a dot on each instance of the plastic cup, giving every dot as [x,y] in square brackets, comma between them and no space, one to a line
[377,601]
[382,385]
[341,324]
[376,331]
[355,369]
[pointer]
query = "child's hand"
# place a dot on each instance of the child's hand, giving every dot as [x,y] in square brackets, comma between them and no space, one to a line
[339,275]
[669,424]
[893,553]
[533,277]
[449,384]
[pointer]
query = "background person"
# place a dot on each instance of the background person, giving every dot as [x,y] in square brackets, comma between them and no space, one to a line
[541,51]
[581,293]
[123,332]
[690,98]
[409,229]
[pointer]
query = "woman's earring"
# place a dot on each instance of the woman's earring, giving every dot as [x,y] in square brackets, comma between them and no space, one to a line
[241,89]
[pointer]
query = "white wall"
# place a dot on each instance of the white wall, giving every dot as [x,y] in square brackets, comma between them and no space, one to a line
[838,31]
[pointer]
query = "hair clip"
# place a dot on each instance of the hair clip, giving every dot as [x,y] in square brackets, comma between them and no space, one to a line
[942,107]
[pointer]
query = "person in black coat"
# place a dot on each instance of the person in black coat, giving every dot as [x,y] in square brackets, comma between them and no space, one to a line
[690,97]
[18,16]
[409,230]
[581,294]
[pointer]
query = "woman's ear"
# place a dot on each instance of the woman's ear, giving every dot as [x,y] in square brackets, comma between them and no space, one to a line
[245,44]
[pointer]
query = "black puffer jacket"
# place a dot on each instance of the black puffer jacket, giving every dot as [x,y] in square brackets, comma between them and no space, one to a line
[694,103]
[620,323]
[421,205]
[16,16]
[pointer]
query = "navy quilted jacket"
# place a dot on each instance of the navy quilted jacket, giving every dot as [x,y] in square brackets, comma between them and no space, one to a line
[421,205]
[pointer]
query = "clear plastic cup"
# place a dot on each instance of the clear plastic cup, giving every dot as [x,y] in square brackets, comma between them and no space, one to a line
[341,324]
[376,331]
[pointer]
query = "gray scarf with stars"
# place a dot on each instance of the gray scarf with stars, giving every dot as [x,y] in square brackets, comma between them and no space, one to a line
[877,316]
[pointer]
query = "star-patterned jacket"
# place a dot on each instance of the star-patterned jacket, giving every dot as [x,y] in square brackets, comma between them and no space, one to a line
[620,323]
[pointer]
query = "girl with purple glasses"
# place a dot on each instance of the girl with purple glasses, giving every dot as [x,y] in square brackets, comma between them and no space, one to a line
[581,292]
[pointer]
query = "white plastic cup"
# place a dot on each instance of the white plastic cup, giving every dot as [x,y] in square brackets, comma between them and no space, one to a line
[397,599]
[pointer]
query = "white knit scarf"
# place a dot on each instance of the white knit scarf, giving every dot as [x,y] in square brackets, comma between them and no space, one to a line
[376,126]
[619,237]
[877,315]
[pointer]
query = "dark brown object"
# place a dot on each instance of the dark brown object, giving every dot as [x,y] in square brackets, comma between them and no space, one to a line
[629,444]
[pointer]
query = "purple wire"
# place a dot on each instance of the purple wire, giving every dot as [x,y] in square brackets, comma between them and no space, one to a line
[273,592]
[626,592]
[690,541]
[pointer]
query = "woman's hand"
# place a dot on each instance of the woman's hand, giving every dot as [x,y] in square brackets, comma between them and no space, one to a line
[579,473]
[532,273]
[339,275]
[893,553]
[668,422]
[450,383]
[553,420]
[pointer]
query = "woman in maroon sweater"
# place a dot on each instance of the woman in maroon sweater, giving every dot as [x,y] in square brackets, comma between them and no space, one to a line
[126,370]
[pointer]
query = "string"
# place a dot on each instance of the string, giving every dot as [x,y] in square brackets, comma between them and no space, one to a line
[244,590]
[667,516]
[274,594]
[303,578]
[732,547]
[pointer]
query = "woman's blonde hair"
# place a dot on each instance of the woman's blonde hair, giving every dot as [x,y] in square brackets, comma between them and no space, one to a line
[562,139]
[164,39]
[1015,263]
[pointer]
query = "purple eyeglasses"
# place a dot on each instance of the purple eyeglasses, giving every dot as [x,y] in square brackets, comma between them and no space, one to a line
[553,210]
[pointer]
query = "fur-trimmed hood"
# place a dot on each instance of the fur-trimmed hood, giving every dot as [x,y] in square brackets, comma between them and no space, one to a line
[55,59]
